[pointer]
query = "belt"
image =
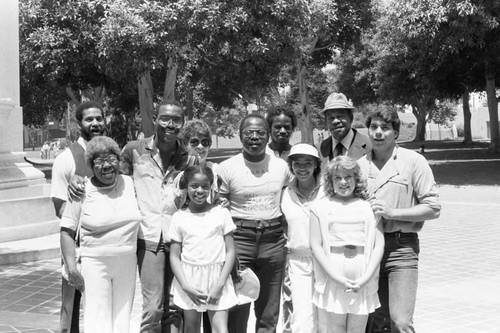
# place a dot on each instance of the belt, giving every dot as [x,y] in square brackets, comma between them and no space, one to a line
[258,223]
[399,234]
[349,251]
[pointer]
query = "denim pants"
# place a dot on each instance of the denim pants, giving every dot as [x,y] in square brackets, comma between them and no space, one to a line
[156,277]
[397,285]
[263,250]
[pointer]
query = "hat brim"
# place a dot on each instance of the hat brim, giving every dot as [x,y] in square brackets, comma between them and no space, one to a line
[337,107]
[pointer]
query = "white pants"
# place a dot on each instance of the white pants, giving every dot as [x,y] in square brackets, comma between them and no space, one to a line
[304,316]
[109,293]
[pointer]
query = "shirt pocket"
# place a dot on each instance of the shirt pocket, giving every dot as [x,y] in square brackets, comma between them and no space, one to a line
[398,185]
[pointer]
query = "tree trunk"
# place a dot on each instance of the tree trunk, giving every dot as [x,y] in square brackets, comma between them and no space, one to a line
[421,122]
[190,104]
[145,90]
[170,79]
[467,118]
[492,109]
[305,124]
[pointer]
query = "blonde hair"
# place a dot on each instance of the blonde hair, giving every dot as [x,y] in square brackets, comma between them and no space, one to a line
[349,165]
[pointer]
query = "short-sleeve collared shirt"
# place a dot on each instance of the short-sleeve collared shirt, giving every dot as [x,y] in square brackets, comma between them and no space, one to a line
[154,186]
[405,181]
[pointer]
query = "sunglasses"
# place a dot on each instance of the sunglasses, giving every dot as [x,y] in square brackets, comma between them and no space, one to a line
[195,142]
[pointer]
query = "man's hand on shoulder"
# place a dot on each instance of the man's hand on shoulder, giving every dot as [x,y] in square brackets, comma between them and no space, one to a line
[76,188]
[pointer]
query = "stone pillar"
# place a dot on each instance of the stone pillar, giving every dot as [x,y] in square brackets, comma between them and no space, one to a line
[26,211]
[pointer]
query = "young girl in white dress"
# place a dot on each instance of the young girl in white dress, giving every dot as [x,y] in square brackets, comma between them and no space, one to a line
[202,254]
[347,244]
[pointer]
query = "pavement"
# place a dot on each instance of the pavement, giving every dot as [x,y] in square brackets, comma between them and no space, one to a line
[459,284]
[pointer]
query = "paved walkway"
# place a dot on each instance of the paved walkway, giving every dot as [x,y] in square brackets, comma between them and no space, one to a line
[459,287]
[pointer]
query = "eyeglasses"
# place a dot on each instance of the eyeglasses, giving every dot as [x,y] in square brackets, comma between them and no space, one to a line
[99,162]
[174,120]
[195,142]
[250,132]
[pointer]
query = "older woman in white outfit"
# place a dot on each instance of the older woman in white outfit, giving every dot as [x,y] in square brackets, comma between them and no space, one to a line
[305,164]
[106,221]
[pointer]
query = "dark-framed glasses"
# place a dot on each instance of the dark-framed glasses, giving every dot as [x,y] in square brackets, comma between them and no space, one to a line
[195,143]
[249,132]
[99,162]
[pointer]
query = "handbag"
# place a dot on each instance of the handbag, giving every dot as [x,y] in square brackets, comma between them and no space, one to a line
[78,258]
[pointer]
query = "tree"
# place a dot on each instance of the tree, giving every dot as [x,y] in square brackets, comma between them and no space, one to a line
[459,29]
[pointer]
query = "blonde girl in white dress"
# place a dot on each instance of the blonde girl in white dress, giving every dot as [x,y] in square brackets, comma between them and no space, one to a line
[202,254]
[347,244]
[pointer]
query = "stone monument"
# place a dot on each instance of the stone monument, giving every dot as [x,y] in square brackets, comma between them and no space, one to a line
[27,217]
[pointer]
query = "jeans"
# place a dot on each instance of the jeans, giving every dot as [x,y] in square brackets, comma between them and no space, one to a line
[263,250]
[156,277]
[109,292]
[397,285]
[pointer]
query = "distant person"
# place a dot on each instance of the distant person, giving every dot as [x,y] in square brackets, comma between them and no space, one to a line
[300,314]
[106,221]
[347,244]
[282,122]
[90,119]
[202,255]
[343,140]
[44,151]
[403,194]
[253,181]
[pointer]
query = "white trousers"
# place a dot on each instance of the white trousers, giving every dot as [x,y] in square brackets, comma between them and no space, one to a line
[109,293]
[304,317]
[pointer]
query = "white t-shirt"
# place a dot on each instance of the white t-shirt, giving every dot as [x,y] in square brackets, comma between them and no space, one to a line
[62,171]
[254,189]
[110,219]
[202,235]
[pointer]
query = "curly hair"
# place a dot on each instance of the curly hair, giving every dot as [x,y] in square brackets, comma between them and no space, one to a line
[277,110]
[193,170]
[350,166]
[194,128]
[87,105]
[101,145]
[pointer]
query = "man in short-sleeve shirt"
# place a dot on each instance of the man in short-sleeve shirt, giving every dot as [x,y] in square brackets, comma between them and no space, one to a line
[252,181]
[403,194]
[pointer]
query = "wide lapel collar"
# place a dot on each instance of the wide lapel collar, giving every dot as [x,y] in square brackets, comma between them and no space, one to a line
[357,142]
[389,171]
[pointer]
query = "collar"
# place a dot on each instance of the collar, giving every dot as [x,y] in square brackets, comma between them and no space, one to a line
[346,141]
[82,143]
[394,155]
[294,187]
[181,152]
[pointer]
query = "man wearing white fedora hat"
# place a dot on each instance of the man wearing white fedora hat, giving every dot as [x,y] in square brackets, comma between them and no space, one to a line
[344,140]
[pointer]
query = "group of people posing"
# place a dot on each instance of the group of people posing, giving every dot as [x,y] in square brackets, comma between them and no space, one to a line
[330,232]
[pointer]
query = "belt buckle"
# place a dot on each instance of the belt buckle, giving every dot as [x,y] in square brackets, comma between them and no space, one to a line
[260,224]
[350,251]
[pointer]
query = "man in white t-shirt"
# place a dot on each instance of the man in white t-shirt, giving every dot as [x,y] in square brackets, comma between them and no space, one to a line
[90,119]
[252,181]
